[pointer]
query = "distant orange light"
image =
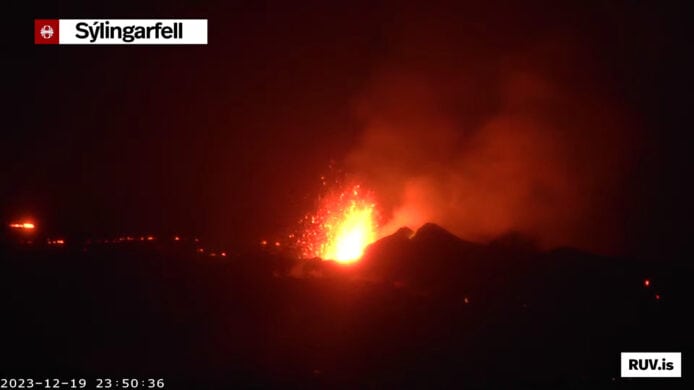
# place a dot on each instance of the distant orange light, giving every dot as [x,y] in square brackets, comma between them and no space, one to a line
[177,238]
[24,225]
[263,243]
[646,282]
[223,254]
[200,250]
[150,238]
[277,243]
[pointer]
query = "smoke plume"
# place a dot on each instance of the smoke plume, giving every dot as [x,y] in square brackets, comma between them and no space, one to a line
[487,136]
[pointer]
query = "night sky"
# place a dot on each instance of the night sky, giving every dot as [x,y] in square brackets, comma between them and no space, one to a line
[229,140]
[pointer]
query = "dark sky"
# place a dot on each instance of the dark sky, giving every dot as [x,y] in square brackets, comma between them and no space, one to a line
[228,140]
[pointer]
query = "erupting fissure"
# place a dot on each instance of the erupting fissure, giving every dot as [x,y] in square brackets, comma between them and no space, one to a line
[343,226]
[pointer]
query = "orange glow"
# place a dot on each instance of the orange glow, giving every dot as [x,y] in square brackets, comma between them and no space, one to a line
[177,238]
[344,225]
[23,225]
[58,241]
[223,254]
[647,282]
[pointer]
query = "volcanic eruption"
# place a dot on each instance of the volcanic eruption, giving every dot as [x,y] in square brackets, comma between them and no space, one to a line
[345,223]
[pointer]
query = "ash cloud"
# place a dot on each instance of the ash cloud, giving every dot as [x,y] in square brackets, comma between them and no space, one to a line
[496,135]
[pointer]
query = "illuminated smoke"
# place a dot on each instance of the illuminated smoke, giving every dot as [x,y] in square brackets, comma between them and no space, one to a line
[486,142]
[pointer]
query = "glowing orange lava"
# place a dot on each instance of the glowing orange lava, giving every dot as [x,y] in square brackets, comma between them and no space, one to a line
[24,225]
[344,225]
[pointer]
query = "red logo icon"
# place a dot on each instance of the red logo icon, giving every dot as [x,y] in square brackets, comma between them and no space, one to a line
[46,31]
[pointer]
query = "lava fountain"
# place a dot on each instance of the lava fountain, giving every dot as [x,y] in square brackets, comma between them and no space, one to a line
[345,223]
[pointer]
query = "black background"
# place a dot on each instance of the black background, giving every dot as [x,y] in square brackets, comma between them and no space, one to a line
[228,140]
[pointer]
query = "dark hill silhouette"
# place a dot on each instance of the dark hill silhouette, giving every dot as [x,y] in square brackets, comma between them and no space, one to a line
[419,310]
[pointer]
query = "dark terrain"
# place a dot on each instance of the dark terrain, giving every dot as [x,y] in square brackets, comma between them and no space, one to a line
[427,311]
